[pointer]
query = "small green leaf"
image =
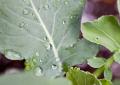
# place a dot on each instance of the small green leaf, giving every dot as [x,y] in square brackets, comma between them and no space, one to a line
[108,74]
[104,31]
[106,82]
[82,78]
[117,56]
[30,79]
[96,62]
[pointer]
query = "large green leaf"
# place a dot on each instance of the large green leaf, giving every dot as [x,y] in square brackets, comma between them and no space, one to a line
[104,31]
[82,78]
[30,79]
[42,28]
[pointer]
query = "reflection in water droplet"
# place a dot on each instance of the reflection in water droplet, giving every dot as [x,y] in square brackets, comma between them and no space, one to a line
[64,22]
[66,2]
[25,11]
[22,25]
[13,55]
[35,18]
[49,46]
[40,60]
[72,45]
[26,2]
[97,38]
[71,17]
[54,66]
[46,7]
[38,71]
[37,54]
[45,38]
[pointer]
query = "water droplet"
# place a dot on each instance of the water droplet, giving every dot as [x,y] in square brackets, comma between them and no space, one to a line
[66,2]
[46,7]
[97,38]
[72,45]
[22,25]
[54,66]
[40,60]
[25,11]
[39,71]
[37,54]
[64,22]
[45,38]
[26,2]
[35,18]
[49,46]
[71,17]
[13,55]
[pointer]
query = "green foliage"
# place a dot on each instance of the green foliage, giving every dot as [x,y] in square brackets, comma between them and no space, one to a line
[117,56]
[104,31]
[96,62]
[79,52]
[116,82]
[82,78]
[108,74]
[46,30]
[105,82]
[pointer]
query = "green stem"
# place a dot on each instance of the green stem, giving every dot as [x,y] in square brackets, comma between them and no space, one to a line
[100,70]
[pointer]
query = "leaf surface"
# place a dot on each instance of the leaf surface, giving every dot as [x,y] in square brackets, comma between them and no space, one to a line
[82,78]
[96,62]
[30,79]
[104,31]
[41,29]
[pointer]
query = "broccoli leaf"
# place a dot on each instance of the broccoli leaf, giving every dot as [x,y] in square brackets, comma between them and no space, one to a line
[41,29]
[104,31]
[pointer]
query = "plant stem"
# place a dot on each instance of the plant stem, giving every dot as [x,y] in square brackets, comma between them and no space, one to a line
[100,70]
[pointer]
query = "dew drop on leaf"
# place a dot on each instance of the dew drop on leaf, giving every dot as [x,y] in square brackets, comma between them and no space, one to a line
[49,46]
[38,71]
[25,11]
[54,66]
[72,45]
[26,2]
[22,25]
[97,38]
[64,22]
[45,38]
[13,55]
[37,54]
[66,2]
[46,7]
[40,60]
[71,17]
